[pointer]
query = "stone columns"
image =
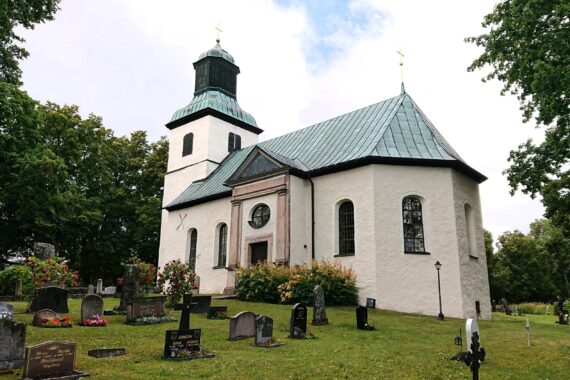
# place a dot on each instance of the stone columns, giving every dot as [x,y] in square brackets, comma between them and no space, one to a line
[235,246]
[282,228]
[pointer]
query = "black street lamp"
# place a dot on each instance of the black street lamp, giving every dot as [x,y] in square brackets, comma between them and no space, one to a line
[438,267]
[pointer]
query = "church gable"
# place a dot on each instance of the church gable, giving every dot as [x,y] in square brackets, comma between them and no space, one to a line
[258,165]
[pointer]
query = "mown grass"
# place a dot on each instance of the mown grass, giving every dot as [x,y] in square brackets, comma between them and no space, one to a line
[403,347]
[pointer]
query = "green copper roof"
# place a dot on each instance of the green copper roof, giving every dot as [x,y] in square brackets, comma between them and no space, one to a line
[217,51]
[218,101]
[394,130]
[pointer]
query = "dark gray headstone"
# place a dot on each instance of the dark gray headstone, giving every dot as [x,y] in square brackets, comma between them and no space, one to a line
[362,319]
[263,330]
[202,304]
[130,289]
[42,315]
[146,307]
[242,325]
[50,297]
[298,323]
[6,311]
[91,306]
[177,342]
[43,251]
[50,360]
[319,310]
[13,338]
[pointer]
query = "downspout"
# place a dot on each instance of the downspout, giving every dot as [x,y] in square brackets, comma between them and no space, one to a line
[312,218]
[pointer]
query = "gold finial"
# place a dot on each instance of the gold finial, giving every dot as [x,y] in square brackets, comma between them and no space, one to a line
[218,31]
[401,54]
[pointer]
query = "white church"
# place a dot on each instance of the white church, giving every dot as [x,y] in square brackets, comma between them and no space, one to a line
[378,189]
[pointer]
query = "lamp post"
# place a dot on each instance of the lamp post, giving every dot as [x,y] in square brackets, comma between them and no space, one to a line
[438,267]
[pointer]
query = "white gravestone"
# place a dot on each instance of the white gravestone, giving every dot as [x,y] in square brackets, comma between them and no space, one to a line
[471,326]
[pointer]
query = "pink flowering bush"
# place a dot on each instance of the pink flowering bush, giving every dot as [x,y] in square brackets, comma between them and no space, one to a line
[176,279]
[53,271]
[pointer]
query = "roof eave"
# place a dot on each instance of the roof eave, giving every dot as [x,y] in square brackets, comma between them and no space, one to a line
[212,112]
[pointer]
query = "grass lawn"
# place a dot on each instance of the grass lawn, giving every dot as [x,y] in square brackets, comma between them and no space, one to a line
[404,347]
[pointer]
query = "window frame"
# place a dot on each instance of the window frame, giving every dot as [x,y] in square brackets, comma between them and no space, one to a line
[187,147]
[345,229]
[263,216]
[222,246]
[193,244]
[415,226]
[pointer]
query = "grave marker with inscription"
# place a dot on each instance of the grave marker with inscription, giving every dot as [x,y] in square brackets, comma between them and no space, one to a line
[362,319]
[13,338]
[298,322]
[319,310]
[91,307]
[145,307]
[263,330]
[242,325]
[52,360]
[50,297]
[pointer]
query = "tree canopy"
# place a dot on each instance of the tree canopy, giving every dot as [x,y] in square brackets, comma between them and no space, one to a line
[527,47]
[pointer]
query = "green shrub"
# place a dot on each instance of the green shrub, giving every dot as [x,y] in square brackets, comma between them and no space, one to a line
[260,282]
[9,277]
[271,283]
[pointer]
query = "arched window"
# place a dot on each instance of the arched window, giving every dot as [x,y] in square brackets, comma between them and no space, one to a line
[192,250]
[234,142]
[222,244]
[187,145]
[470,227]
[413,225]
[346,228]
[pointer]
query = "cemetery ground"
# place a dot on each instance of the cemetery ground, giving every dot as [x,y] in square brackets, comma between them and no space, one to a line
[403,347]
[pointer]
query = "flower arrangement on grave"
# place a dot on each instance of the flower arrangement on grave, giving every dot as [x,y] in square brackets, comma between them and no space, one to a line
[175,280]
[151,320]
[96,321]
[56,322]
[53,271]
[220,314]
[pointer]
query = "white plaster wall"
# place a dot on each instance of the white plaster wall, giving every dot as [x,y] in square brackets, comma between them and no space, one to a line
[357,186]
[173,245]
[474,274]
[408,282]
[178,181]
[300,220]
[218,138]
[249,232]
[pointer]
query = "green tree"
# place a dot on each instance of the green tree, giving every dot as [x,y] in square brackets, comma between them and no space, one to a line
[527,47]
[14,14]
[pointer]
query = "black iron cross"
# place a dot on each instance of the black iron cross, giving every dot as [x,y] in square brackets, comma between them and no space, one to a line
[475,356]
[185,307]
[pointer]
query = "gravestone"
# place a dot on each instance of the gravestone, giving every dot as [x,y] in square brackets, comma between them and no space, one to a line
[218,312]
[563,317]
[146,307]
[50,297]
[178,341]
[362,319]
[130,288]
[91,289]
[43,251]
[6,311]
[319,310]
[44,314]
[91,306]
[99,286]
[185,307]
[475,355]
[242,325]
[52,360]
[201,304]
[110,290]
[471,327]
[263,330]
[505,306]
[371,303]
[298,322]
[13,338]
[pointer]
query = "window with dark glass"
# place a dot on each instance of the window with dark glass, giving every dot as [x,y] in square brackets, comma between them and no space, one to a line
[187,144]
[346,228]
[234,142]
[192,255]
[260,216]
[222,245]
[413,225]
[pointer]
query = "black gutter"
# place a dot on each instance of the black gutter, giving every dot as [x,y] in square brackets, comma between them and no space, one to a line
[312,217]
[210,111]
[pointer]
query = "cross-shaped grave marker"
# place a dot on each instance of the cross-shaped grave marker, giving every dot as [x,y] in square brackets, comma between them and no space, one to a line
[475,356]
[185,307]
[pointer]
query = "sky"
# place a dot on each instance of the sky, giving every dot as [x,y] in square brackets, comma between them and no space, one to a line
[301,62]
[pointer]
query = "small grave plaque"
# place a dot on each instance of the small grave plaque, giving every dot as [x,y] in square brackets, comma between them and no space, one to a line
[106,352]
[50,297]
[13,338]
[91,307]
[298,323]
[51,360]
[6,311]
[218,312]
[263,330]
[362,319]
[202,304]
[146,307]
[242,325]
[371,303]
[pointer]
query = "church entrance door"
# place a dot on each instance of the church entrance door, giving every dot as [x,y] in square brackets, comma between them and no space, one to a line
[258,252]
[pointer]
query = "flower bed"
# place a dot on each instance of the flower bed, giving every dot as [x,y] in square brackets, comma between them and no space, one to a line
[97,321]
[56,322]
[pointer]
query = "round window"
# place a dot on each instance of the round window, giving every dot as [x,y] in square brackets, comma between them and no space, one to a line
[260,216]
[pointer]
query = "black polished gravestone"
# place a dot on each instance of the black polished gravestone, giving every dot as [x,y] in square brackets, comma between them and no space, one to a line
[362,319]
[51,360]
[185,307]
[201,304]
[178,342]
[12,338]
[50,297]
[218,312]
[298,322]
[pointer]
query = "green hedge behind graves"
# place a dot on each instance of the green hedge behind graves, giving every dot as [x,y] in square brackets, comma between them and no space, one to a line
[9,277]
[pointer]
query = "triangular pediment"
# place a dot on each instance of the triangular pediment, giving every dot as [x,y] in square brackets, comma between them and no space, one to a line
[257,165]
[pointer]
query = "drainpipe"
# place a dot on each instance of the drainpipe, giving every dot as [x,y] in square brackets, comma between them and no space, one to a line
[312,218]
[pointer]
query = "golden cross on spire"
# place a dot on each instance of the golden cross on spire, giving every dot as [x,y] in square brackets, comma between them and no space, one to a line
[218,31]
[401,54]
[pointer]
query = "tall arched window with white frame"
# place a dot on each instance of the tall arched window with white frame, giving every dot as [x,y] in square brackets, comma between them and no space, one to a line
[346,229]
[222,244]
[413,225]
